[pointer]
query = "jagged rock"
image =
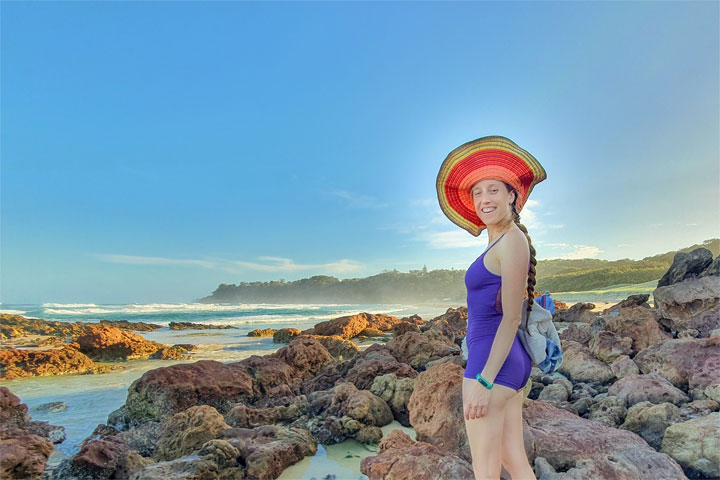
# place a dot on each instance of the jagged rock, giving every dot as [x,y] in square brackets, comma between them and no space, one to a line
[555,393]
[651,387]
[60,361]
[265,332]
[268,450]
[640,324]
[52,407]
[684,303]
[695,445]
[336,345]
[416,349]
[579,312]
[585,449]
[678,359]
[401,458]
[22,454]
[650,421]
[577,332]
[687,266]
[376,362]
[215,459]
[581,365]
[284,335]
[607,346]
[244,416]
[176,352]
[610,411]
[369,434]
[196,326]
[134,326]
[436,409]
[187,431]
[161,392]
[396,393]
[451,326]
[624,366]
[631,301]
[105,343]
[698,408]
[342,412]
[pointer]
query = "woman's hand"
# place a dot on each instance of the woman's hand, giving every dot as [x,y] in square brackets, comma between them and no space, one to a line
[476,401]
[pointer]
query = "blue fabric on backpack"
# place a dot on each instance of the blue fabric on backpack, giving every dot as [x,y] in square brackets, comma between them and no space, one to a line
[554,355]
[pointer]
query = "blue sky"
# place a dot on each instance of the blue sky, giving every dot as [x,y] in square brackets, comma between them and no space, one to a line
[153,150]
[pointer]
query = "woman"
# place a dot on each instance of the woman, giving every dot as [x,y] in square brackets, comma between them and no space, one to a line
[484,184]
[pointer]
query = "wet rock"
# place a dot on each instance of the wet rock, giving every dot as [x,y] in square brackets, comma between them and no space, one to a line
[187,431]
[162,392]
[30,363]
[695,445]
[401,458]
[215,459]
[244,416]
[51,407]
[176,352]
[336,345]
[13,326]
[284,335]
[105,343]
[342,412]
[197,326]
[265,332]
[370,435]
[396,393]
[268,450]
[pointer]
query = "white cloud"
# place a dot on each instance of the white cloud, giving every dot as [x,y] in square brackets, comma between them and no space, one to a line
[272,264]
[579,251]
[358,200]
[625,245]
[138,260]
[453,239]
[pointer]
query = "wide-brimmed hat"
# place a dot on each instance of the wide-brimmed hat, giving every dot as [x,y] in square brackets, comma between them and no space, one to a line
[487,157]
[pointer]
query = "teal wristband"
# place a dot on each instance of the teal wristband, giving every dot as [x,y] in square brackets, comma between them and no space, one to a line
[483,382]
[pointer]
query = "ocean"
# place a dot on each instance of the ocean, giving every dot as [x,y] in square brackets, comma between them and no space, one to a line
[90,398]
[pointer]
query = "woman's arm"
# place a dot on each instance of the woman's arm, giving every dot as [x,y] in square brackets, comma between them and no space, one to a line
[514,257]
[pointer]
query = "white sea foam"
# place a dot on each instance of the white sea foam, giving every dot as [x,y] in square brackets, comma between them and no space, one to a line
[62,305]
[13,312]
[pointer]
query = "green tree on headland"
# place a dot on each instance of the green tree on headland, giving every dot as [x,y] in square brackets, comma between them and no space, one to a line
[423,286]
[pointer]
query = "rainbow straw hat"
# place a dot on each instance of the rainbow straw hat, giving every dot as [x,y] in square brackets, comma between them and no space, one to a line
[487,157]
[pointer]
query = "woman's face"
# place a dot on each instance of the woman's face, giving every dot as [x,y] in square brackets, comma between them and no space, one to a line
[491,195]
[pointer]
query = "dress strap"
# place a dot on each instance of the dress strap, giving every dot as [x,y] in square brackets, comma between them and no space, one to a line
[493,244]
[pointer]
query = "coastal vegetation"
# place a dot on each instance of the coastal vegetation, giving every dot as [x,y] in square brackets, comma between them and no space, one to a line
[448,285]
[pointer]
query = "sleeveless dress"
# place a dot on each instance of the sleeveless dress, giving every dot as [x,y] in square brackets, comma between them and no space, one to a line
[484,303]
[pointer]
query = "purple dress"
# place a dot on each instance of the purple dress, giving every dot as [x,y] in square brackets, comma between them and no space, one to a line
[484,303]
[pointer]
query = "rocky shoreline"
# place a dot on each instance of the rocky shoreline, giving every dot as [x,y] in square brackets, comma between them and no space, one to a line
[637,397]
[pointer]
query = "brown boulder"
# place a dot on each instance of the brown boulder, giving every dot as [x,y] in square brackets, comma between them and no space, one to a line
[401,458]
[578,312]
[640,324]
[266,332]
[336,345]
[607,346]
[577,332]
[268,450]
[679,359]
[436,409]
[161,392]
[652,387]
[187,431]
[347,327]
[580,365]
[22,454]
[59,361]
[284,335]
[105,343]
[682,302]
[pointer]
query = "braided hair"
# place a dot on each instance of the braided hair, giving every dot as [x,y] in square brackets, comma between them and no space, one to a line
[533,261]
